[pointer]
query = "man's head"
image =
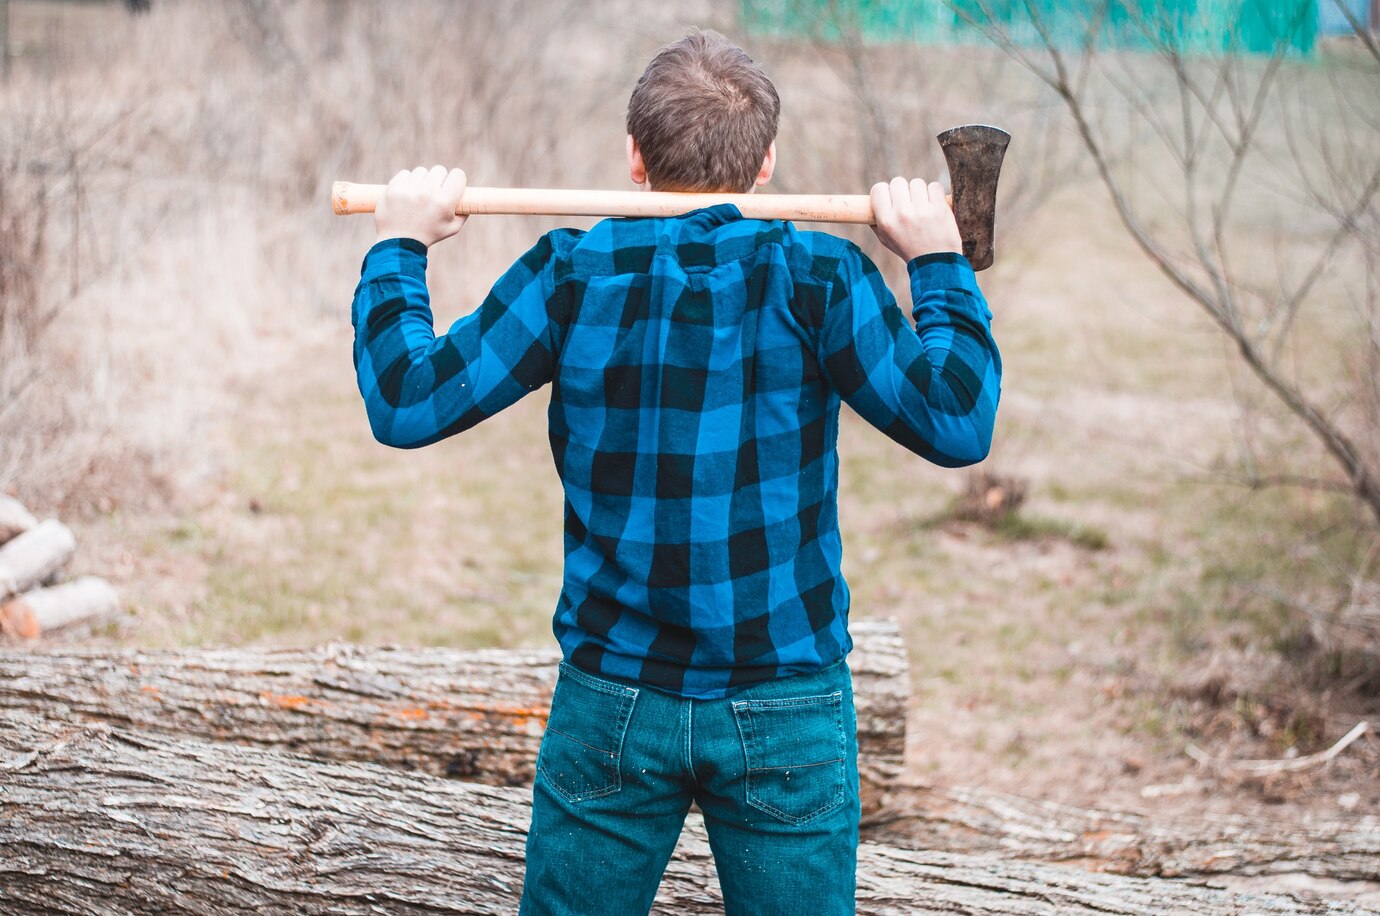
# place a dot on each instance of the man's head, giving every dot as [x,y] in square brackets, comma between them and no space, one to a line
[702,118]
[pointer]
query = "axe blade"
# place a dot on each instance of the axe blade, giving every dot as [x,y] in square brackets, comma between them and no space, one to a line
[974,153]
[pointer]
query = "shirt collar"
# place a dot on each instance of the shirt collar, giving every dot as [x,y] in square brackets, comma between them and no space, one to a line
[716,215]
[706,217]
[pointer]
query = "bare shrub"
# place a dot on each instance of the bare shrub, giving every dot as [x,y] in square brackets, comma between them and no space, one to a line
[162,188]
[1251,183]
[988,498]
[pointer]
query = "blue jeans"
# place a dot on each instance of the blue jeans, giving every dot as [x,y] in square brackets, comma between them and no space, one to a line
[774,769]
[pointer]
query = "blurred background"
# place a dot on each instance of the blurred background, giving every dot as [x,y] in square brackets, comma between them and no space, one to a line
[1174,545]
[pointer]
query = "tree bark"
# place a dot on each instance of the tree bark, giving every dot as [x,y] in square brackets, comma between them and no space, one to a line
[470,714]
[99,820]
[32,613]
[478,715]
[983,821]
[14,518]
[33,556]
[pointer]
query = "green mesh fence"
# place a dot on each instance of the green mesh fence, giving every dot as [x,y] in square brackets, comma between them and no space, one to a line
[1191,26]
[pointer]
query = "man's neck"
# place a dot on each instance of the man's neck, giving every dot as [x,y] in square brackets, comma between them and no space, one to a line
[647,186]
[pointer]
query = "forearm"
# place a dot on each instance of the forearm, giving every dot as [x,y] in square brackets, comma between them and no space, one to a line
[398,358]
[953,322]
[418,387]
[932,388]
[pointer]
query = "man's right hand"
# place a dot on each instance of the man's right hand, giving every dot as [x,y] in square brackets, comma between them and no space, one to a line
[420,205]
[913,218]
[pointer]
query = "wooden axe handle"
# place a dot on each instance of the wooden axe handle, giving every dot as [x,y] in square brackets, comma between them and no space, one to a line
[347,198]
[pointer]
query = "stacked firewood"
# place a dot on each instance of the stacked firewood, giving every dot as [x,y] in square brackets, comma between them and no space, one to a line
[35,595]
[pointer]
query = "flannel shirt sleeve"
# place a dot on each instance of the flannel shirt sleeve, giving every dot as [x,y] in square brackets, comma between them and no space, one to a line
[419,388]
[932,387]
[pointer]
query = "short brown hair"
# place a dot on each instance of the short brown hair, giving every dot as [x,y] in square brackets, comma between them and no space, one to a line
[703,115]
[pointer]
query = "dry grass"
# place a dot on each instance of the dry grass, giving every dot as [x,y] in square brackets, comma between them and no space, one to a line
[164,177]
[204,359]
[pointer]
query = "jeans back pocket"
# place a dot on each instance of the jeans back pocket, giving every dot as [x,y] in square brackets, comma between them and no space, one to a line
[795,754]
[582,746]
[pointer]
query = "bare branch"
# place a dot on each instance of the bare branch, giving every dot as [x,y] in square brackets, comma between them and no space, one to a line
[1229,106]
[986,25]
[1358,28]
[1347,226]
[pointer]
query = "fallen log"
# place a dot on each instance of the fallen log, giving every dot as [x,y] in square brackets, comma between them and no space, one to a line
[469,714]
[98,820]
[982,821]
[478,715]
[43,609]
[32,557]
[14,518]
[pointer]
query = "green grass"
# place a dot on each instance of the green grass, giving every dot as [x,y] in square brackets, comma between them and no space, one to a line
[1020,526]
[333,536]
[1264,554]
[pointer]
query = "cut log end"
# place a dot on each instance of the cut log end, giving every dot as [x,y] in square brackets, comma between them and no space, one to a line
[34,556]
[17,621]
[33,613]
[14,519]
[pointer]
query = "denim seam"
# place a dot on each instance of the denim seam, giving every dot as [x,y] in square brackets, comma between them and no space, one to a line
[796,766]
[689,739]
[581,743]
[596,683]
[795,820]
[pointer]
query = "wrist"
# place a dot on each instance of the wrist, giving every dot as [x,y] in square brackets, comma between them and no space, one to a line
[953,258]
[923,251]
[400,235]
[396,246]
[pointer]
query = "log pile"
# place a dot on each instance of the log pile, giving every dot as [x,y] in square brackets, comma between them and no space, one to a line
[100,819]
[33,596]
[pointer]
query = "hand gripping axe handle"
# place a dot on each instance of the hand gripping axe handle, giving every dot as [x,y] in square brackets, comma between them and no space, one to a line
[973,152]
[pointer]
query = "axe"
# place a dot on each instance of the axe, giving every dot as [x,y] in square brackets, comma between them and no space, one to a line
[973,152]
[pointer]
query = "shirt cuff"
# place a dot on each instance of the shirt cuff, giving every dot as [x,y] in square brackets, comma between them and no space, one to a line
[938,260]
[942,270]
[394,256]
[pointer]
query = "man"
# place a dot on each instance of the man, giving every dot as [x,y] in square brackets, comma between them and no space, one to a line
[697,364]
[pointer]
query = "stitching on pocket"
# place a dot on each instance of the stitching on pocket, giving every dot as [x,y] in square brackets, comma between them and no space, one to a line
[759,769]
[584,757]
[596,683]
[783,702]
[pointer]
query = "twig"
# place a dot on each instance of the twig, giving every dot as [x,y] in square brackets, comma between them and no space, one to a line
[1269,767]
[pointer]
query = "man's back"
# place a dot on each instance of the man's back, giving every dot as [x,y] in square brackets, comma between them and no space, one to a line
[694,433]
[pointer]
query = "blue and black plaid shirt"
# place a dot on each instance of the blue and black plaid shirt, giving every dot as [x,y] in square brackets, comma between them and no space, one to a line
[697,365]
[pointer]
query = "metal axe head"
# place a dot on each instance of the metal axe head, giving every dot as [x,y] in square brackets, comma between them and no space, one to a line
[974,153]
